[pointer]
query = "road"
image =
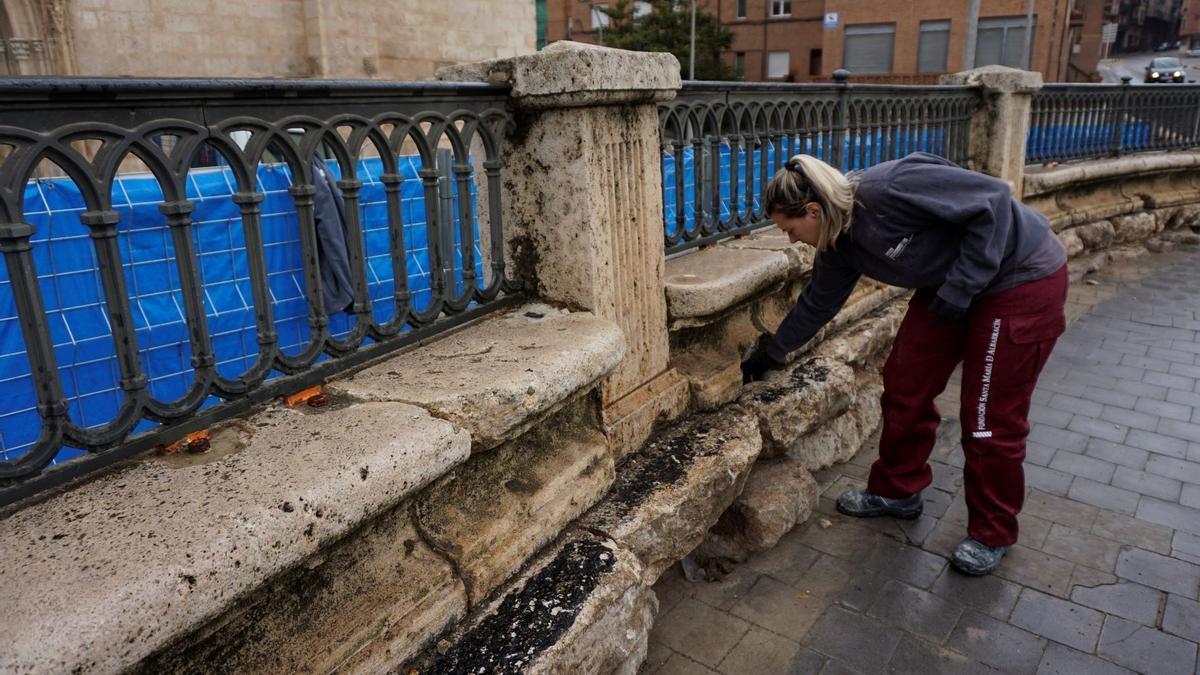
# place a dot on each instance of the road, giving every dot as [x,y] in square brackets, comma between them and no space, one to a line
[1134,65]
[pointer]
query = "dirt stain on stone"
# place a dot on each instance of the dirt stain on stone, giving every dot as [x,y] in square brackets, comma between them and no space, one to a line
[801,377]
[530,621]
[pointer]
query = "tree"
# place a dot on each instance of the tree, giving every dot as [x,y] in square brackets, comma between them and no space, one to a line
[667,27]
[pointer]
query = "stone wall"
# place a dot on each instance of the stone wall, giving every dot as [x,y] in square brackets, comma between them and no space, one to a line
[1111,208]
[399,39]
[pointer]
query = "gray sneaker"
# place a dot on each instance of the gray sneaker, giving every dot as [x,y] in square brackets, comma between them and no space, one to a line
[863,504]
[977,558]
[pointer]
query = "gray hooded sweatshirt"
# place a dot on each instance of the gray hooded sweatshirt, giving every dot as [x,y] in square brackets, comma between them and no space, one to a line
[924,222]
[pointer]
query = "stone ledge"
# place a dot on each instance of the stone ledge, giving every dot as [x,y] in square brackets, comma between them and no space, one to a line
[99,578]
[996,78]
[667,495]
[711,281]
[494,512]
[1041,181]
[580,607]
[573,74]
[503,375]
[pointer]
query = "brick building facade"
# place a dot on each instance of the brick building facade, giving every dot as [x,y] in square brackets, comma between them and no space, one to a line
[393,39]
[890,40]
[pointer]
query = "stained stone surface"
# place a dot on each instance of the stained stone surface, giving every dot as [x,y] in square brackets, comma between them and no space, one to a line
[501,376]
[142,555]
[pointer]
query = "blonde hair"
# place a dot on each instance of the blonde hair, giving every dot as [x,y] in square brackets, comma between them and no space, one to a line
[806,179]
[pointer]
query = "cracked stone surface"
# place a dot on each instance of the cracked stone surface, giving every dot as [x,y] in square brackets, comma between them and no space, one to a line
[248,517]
[502,376]
[1106,576]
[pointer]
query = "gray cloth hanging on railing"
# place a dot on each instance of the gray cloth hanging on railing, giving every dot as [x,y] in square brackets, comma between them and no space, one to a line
[333,257]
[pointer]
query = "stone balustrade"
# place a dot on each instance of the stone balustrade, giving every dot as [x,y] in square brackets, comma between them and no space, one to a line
[506,496]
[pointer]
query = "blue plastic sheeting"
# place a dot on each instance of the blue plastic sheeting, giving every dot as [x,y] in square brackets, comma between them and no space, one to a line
[869,150]
[68,275]
[1061,141]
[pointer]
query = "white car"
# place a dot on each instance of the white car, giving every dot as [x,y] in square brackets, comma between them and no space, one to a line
[1194,51]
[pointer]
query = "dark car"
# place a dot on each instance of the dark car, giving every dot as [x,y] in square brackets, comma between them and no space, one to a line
[1164,69]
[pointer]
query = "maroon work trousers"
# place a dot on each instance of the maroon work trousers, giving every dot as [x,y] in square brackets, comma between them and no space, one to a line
[1002,345]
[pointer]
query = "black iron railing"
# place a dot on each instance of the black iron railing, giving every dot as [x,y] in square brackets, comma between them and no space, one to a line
[722,142]
[1083,121]
[171,248]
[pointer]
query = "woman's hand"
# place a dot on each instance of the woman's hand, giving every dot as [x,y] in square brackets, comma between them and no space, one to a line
[946,313]
[758,361]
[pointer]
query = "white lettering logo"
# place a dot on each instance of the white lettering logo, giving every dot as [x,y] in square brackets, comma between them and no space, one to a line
[989,360]
[895,251]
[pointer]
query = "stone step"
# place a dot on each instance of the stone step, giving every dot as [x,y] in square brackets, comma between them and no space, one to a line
[585,605]
[580,607]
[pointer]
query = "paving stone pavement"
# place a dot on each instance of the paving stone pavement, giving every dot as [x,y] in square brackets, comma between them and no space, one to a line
[1105,578]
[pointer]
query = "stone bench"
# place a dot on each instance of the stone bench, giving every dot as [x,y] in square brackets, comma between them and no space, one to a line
[242,558]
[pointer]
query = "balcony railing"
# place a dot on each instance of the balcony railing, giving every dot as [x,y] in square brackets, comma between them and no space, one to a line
[722,142]
[172,249]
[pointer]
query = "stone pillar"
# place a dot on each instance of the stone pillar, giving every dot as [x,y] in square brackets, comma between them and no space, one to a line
[583,206]
[1001,121]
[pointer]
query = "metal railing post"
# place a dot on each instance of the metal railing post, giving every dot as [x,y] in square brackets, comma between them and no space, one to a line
[1122,117]
[842,77]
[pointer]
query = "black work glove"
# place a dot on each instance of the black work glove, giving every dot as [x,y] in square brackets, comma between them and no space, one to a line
[946,313]
[758,361]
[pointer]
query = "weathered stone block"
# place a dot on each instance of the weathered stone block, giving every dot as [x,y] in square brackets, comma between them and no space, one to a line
[837,440]
[581,607]
[567,74]
[709,282]
[1134,227]
[793,402]
[867,339]
[501,507]
[778,494]
[273,490]
[668,495]
[631,420]
[1096,236]
[501,377]
[1071,241]
[360,606]
[1180,217]
[713,379]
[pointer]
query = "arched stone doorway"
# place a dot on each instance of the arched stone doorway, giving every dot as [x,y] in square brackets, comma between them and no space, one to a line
[35,38]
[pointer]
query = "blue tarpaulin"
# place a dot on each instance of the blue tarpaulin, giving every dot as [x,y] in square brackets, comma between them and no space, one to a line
[69,280]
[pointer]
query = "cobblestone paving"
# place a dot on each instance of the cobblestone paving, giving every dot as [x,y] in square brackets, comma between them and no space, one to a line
[1105,577]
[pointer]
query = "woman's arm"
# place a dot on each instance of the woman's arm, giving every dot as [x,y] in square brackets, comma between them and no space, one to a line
[833,280]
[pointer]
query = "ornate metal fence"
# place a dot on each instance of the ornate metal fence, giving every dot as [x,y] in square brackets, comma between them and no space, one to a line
[722,142]
[170,248]
[1082,121]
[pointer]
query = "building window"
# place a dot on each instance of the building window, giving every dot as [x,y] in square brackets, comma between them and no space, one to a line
[1001,40]
[868,48]
[778,65]
[933,47]
[599,19]
[739,65]
[741,9]
[781,7]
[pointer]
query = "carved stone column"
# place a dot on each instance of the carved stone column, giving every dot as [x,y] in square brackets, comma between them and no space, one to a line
[583,206]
